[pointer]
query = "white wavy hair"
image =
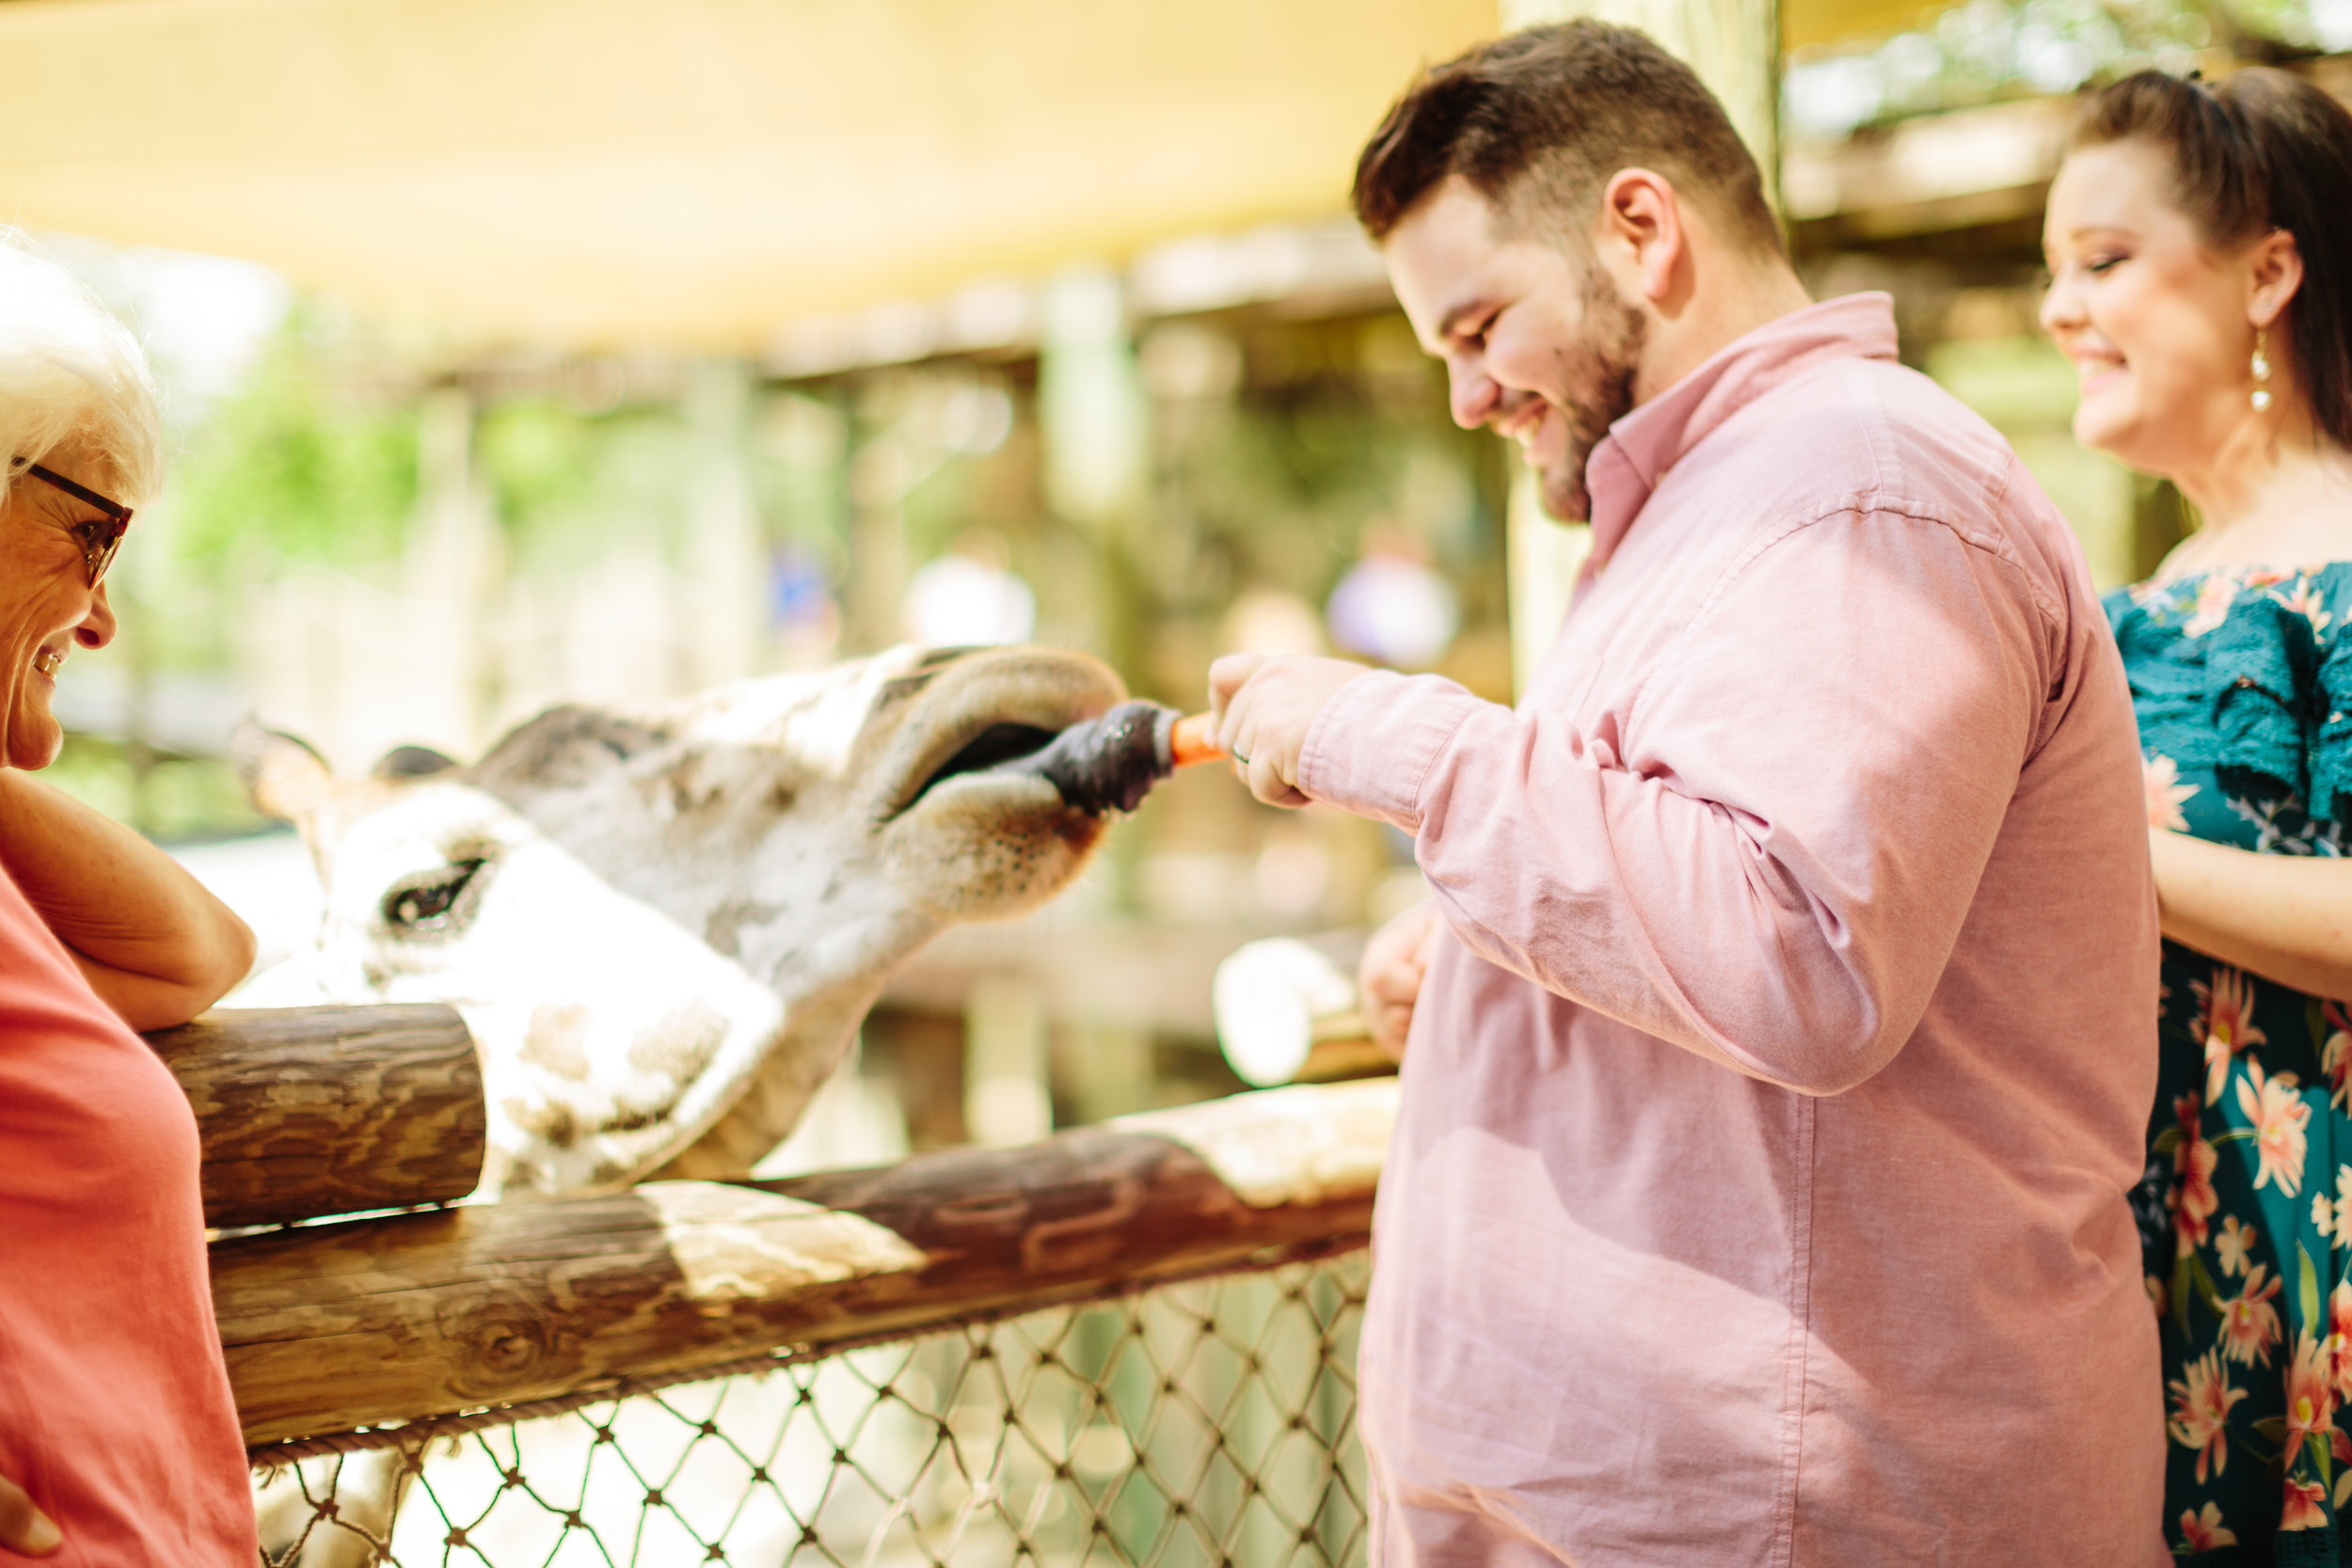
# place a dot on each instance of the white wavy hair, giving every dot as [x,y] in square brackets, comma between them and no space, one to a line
[70,371]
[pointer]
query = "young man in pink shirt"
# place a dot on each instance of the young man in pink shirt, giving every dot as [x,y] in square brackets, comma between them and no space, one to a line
[1788,1032]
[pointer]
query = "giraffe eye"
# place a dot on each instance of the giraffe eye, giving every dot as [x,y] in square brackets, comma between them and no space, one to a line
[428,904]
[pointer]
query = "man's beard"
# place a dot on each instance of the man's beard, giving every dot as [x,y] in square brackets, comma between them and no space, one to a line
[1597,372]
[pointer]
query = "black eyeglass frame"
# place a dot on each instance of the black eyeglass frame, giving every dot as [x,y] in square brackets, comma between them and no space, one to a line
[97,557]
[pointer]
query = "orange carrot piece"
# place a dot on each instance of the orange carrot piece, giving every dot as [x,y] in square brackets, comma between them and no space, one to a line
[1194,740]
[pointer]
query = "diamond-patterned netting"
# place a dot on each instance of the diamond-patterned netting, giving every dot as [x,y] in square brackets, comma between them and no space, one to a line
[1200,1423]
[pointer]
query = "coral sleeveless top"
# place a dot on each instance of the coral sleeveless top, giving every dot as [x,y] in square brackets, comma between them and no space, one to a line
[115,1410]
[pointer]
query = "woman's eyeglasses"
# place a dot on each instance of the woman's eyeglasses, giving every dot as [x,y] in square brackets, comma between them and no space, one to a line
[100,540]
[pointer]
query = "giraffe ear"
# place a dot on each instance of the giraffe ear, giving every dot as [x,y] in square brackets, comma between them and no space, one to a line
[281,775]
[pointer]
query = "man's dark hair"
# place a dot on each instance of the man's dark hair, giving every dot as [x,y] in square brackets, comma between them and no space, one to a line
[2258,150]
[1537,122]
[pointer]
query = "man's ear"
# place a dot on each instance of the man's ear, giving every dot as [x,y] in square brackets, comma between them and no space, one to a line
[1642,224]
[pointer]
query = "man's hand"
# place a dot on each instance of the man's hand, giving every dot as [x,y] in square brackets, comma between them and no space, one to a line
[24,1528]
[1265,705]
[1395,961]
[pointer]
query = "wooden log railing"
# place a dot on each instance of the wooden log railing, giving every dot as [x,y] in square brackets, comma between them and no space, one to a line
[332,1327]
[311,1110]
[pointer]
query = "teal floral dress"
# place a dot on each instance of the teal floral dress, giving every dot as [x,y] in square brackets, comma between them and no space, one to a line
[2242,680]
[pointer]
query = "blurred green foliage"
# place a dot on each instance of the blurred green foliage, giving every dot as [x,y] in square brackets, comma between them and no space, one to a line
[538,457]
[1269,482]
[570,487]
[1333,433]
[1985,51]
[169,799]
[300,464]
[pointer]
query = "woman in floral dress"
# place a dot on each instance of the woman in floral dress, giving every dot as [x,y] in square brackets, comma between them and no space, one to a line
[2199,242]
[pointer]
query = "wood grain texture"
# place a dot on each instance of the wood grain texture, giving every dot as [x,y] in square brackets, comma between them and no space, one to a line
[312,1111]
[333,1327]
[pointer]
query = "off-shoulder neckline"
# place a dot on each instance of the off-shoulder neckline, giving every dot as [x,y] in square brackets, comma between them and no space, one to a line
[2305,569]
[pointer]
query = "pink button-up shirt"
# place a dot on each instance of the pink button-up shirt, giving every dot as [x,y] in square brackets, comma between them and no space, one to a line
[1758,1196]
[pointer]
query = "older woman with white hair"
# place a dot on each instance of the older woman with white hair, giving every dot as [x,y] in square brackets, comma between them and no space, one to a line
[119,1440]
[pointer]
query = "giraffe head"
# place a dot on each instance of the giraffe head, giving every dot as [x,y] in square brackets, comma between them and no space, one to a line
[664,923]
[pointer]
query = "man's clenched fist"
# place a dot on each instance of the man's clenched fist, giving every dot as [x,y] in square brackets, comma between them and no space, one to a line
[1395,961]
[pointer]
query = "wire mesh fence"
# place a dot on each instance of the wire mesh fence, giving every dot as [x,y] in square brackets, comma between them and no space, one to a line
[1201,1423]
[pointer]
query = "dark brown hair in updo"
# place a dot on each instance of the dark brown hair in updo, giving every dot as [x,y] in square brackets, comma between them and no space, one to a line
[2258,150]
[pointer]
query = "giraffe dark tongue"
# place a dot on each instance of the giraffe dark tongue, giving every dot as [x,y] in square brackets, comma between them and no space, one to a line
[1108,763]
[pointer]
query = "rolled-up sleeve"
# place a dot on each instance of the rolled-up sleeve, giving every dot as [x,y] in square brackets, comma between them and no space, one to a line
[1766,855]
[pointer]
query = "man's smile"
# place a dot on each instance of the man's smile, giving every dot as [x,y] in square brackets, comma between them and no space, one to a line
[1521,421]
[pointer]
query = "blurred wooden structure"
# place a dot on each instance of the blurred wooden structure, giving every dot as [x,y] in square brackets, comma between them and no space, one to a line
[1981,172]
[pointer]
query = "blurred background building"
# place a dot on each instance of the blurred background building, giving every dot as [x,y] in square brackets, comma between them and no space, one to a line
[517,350]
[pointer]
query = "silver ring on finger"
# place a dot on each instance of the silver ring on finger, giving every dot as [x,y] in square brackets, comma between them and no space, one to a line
[1243,760]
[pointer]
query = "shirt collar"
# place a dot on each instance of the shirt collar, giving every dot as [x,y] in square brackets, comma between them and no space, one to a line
[1630,461]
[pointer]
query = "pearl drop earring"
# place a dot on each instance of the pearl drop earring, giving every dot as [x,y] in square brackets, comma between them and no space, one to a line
[2261,371]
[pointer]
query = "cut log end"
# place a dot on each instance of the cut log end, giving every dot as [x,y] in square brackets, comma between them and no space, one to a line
[303,1111]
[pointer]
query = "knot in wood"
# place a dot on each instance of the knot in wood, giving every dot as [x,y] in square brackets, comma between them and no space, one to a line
[507,1348]
[500,1338]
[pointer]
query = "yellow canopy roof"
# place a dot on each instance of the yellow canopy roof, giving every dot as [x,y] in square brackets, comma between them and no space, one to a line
[603,173]
[1806,23]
